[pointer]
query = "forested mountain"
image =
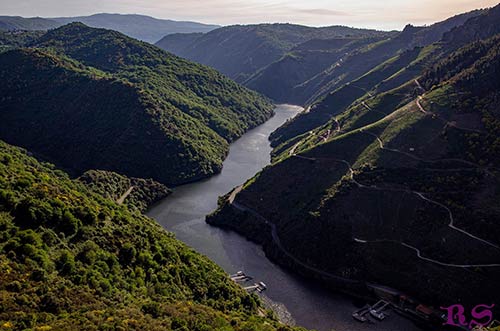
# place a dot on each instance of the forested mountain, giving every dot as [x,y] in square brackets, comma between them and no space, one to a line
[95,99]
[141,27]
[240,51]
[400,186]
[296,64]
[15,39]
[136,193]
[74,260]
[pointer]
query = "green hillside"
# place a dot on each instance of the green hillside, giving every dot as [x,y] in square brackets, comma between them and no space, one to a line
[399,188]
[363,93]
[113,103]
[74,260]
[12,39]
[136,193]
[302,63]
[240,51]
[369,70]
[365,59]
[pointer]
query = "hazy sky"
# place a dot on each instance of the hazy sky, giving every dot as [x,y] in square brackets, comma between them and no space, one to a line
[382,14]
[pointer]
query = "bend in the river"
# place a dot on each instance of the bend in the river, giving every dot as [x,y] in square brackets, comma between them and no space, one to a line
[183,213]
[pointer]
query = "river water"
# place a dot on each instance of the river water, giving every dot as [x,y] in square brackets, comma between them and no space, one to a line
[183,213]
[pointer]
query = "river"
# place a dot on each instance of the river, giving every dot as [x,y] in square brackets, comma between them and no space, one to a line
[183,213]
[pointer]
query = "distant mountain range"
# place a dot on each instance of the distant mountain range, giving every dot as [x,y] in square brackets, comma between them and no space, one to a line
[392,176]
[141,27]
[297,64]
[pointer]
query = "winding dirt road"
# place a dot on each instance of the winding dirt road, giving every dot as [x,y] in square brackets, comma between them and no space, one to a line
[279,245]
[451,224]
[420,256]
[121,199]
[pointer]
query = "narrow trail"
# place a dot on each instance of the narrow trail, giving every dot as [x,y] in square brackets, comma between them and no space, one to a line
[420,98]
[451,224]
[420,256]
[364,104]
[419,105]
[121,199]
[233,194]
[420,195]
[363,89]
[294,148]
[419,85]
[383,147]
[339,127]
[279,245]
[326,136]
[323,138]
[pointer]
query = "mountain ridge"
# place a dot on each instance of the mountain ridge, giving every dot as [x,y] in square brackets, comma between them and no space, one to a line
[175,117]
[239,51]
[399,184]
[141,27]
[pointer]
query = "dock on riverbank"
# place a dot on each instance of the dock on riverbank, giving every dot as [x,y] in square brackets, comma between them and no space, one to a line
[240,277]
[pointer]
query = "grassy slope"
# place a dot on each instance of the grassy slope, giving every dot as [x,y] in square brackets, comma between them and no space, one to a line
[175,117]
[367,58]
[395,71]
[375,68]
[315,203]
[71,259]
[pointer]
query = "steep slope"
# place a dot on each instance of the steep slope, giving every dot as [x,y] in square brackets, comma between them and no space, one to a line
[367,58]
[303,62]
[121,105]
[14,39]
[376,68]
[357,94]
[479,27]
[270,59]
[73,260]
[136,193]
[240,51]
[177,42]
[140,27]
[407,194]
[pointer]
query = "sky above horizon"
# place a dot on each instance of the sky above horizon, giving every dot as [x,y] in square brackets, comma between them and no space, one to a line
[387,14]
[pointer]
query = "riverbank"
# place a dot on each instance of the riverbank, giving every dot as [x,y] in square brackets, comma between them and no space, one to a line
[184,211]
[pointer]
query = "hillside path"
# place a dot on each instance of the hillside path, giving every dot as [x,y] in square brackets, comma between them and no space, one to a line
[124,196]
